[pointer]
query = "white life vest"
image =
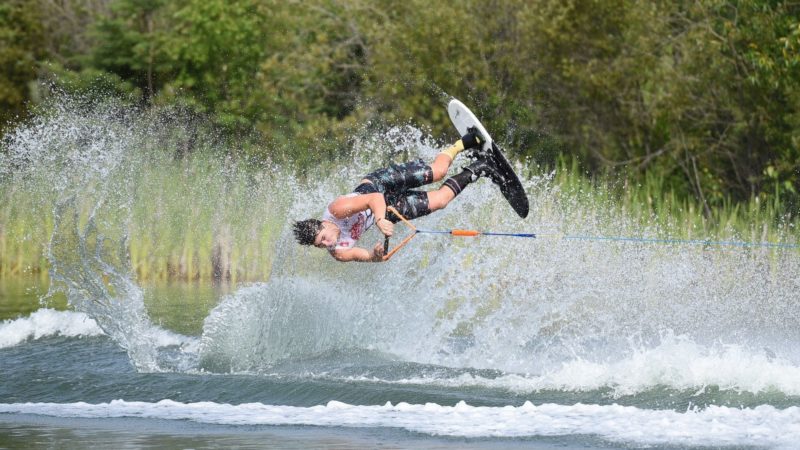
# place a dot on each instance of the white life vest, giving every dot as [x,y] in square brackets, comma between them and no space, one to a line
[350,228]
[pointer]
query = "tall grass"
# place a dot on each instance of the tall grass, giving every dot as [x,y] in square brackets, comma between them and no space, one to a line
[24,233]
[203,218]
[198,218]
[661,212]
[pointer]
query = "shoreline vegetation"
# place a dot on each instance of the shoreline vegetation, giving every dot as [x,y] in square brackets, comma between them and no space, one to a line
[683,116]
[189,220]
[170,239]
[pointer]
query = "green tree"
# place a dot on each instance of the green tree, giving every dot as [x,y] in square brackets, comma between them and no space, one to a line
[727,96]
[212,51]
[20,48]
[128,42]
[311,80]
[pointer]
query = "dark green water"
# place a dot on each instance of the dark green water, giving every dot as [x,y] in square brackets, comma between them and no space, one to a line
[20,296]
[177,306]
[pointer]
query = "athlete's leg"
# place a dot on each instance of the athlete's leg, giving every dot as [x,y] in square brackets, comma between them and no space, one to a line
[410,204]
[398,178]
[441,164]
[445,158]
[455,185]
[439,167]
[439,198]
[413,204]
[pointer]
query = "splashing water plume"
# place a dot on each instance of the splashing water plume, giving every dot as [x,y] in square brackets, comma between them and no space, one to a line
[543,313]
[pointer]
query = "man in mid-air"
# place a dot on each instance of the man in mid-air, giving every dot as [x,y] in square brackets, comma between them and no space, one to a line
[349,216]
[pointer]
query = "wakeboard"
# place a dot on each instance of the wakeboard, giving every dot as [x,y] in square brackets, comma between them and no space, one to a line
[510,186]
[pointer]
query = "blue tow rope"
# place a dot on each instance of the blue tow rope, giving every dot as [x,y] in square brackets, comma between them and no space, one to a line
[473,233]
[703,242]
[481,233]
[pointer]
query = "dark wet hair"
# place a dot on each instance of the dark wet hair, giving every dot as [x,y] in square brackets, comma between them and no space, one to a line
[305,231]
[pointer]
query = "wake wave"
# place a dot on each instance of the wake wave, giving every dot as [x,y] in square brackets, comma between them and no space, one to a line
[677,364]
[47,322]
[298,318]
[715,425]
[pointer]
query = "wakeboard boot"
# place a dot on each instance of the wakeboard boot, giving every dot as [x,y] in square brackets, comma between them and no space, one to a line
[485,166]
[473,143]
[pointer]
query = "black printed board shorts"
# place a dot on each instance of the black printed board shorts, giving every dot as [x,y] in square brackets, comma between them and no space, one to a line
[396,183]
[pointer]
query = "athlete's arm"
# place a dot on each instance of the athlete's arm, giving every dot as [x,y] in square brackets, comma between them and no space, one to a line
[359,254]
[344,207]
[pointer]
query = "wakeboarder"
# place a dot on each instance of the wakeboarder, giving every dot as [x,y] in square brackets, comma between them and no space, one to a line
[346,218]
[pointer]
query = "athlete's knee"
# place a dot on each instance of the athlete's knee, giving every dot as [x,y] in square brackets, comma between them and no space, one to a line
[439,171]
[439,199]
[440,166]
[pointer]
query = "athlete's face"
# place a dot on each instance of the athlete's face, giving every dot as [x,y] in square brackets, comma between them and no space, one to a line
[326,237]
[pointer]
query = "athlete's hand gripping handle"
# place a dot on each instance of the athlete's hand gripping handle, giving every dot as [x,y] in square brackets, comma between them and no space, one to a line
[386,239]
[387,228]
[389,253]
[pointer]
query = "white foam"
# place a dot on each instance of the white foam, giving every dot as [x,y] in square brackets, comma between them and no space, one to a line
[47,322]
[680,363]
[677,363]
[165,338]
[716,425]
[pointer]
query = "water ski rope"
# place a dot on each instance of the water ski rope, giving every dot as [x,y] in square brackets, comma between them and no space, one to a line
[474,233]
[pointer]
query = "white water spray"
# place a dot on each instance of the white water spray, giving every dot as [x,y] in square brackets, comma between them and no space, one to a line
[546,311]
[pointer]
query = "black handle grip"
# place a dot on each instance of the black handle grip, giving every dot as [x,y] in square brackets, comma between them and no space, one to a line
[386,239]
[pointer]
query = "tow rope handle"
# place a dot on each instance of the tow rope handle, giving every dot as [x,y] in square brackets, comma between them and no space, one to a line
[390,253]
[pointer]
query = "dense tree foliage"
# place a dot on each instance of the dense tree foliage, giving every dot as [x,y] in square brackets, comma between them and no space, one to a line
[705,94]
[20,48]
